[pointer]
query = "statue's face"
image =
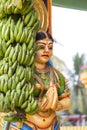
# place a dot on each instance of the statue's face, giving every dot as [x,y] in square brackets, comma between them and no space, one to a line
[46,50]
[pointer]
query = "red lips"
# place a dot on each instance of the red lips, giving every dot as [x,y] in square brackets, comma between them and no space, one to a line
[45,55]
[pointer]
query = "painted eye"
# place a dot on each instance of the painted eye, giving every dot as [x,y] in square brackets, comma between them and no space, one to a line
[42,47]
[50,47]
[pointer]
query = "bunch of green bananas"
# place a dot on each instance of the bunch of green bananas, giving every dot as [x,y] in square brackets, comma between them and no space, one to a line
[18,98]
[7,8]
[23,54]
[18,28]
[18,31]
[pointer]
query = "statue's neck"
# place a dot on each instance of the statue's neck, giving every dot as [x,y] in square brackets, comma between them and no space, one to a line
[40,66]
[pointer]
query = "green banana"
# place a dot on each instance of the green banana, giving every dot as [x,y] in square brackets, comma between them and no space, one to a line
[27,58]
[17,48]
[16,28]
[26,34]
[2,85]
[22,75]
[16,11]
[1,25]
[24,105]
[30,98]
[17,79]
[10,62]
[3,31]
[23,56]
[7,33]
[1,96]
[11,53]
[19,92]
[1,55]
[12,31]
[10,83]
[32,60]
[24,8]
[24,47]
[13,84]
[22,37]
[19,70]
[27,6]
[28,108]
[31,43]
[24,88]
[1,102]
[13,103]
[31,90]
[34,105]
[1,51]
[14,57]
[29,73]
[26,93]
[8,43]
[1,7]
[9,8]
[6,67]
[12,118]
[20,30]
[32,101]
[2,70]
[8,118]
[7,101]
[29,86]
[8,94]
[17,100]
[34,111]
[12,94]
[32,51]
[23,82]
[27,17]
[21,99]
[33,67]
[5,6]
[8,51]
[19,55]
[13,8]
[18,86]
[5,108]
[36,26]
[5,87]
[14,66]
[10,72]
[4,47]
[33,19]
[29,37]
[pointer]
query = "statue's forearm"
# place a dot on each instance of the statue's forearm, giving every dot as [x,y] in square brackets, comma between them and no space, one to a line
[64,104]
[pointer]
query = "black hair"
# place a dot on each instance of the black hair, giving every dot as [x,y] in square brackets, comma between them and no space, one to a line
[42,35]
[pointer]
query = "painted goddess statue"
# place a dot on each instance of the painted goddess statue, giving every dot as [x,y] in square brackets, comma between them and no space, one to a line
[51,90]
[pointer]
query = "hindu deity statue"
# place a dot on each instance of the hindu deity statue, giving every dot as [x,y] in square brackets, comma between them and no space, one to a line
[50,90]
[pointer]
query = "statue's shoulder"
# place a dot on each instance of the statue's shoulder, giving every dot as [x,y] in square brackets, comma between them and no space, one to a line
[62,82]
[57,73]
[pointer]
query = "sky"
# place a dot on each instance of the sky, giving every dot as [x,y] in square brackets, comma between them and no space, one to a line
[69,28]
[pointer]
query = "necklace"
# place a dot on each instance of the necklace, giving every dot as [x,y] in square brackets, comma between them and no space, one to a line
[43,72]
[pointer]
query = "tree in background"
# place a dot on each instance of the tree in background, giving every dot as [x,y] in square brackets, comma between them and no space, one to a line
[78,93]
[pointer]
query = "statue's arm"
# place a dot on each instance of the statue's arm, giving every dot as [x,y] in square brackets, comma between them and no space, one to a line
[64,100]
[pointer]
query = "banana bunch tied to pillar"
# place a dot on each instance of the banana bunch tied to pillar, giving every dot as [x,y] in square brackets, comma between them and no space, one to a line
[18,27]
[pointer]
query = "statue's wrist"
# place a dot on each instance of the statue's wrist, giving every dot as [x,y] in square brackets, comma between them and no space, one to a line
[59,107]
